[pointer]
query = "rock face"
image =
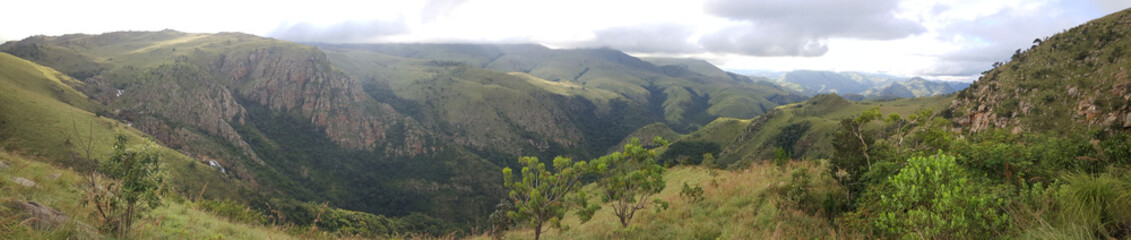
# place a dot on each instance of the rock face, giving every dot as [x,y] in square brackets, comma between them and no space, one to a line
[1072,81]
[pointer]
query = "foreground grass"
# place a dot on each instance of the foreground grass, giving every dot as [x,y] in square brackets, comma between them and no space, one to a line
[743,204]
[61,189]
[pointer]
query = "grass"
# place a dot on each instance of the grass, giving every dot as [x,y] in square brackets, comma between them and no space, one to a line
[742,204]
[62,189]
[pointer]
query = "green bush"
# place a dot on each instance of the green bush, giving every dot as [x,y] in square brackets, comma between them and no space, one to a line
[933,197]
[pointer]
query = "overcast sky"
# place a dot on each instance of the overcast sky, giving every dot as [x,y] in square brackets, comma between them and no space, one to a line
[932,38]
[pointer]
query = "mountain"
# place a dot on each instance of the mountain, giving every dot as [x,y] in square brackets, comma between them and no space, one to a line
[1070,82]
[389,129]
[813,82]
[911,88]
[278,115]
[859,86]
[682,97]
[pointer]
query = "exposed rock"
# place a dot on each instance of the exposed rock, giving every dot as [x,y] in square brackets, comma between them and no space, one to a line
[43,217]
[54,176]
[3,165]
[24,182]
[1127,121]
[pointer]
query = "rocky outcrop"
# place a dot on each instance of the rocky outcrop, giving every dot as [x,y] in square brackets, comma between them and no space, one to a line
[1073,81]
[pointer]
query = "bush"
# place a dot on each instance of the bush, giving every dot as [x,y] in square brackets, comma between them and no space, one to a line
[691,194]
[933,197]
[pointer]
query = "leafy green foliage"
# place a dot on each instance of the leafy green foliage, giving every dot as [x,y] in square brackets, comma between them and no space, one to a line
[543,196]
[691,194]
[632,177]
[934,197]
[134,187]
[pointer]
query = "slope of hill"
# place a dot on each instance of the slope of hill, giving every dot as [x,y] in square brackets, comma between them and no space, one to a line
[748,204]
[681,97]
[43,120]
[1070,82]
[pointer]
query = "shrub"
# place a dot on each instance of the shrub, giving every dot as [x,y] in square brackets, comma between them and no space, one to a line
[691,194]
[933,197]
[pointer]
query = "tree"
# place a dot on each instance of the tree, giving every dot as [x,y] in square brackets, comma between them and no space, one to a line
[632,178]
[543,196]
[135,185]
[855,128]
[904,127]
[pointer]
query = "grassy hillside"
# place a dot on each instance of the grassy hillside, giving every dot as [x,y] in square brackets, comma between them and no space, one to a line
[742,204]
[59,189]
[36,118]
[1069,82]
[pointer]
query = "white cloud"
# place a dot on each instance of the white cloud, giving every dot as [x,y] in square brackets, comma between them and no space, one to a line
[906,37]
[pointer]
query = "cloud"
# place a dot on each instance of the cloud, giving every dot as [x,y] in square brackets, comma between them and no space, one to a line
[653,38]
[994,37]
[344,32]
[437,8]
[802,28]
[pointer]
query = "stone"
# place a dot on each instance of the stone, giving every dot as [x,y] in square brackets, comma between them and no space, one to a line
[24,182]
[1127,121]
[54,176]
[3,165]
[43,217]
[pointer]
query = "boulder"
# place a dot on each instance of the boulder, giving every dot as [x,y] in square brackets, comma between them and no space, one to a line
[43,217]
[24,182]
[3,165]
[1127,121]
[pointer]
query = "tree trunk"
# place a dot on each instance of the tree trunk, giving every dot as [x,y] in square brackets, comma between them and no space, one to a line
[538,231]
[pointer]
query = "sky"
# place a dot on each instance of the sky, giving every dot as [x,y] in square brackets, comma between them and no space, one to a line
[939,39]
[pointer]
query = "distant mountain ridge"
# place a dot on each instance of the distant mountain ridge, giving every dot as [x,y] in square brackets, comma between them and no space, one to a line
[859,86]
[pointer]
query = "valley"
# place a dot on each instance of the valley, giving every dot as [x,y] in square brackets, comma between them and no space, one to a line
[175,135]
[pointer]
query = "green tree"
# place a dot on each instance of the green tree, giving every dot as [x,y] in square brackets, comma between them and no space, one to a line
[632,178]
[542,196]
[135,186]
[856,126]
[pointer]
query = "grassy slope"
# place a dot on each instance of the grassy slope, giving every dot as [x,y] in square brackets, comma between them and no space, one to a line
[35,117]
[36,120]
[59,189]
[740,204]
